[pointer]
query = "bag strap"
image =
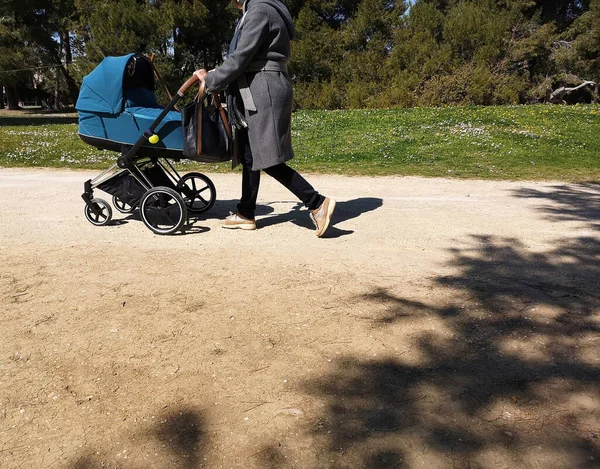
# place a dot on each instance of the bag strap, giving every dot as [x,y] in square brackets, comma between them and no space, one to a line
[219,106]
[199,119]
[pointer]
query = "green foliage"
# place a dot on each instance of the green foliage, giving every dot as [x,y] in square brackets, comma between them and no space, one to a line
[349,53]
[473,31]
[120,27]
[35,33]
[585,48]
[14,52]
[317,50]
[184,34]
[453,52]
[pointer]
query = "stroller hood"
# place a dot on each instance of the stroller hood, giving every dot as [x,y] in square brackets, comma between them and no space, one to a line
[102,90]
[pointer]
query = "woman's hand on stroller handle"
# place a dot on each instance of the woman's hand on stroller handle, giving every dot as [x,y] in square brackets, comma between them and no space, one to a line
[201,74]
[198,76]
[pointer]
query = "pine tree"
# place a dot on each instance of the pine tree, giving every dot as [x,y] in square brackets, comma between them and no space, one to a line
[201,31]
[14,55]
[585,35]
[118,27]
[29,29]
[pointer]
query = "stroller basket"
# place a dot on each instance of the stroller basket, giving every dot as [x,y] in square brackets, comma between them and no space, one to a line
[127,189]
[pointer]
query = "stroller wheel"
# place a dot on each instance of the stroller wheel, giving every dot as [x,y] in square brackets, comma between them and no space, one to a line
[122,207]
[100,215]
[198,192]
[163,210]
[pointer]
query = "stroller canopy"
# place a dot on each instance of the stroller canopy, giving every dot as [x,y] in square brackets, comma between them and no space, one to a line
[102,90]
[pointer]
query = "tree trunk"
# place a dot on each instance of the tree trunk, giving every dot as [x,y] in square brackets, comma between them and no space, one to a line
[71,85]
[1,96]
[57,90]
[67,58]
[65,44]
[12,98]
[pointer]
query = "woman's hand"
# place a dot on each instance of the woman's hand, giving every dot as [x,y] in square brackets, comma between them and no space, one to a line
[201,74]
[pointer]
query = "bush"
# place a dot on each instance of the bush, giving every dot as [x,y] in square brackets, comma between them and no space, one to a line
[317,96]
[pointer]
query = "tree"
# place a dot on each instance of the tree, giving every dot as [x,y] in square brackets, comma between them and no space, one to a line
[349,53]
[585,36]
[561,12]
[14,55]
[419,53]
[29,29]
[118,27]
[184,34]
[368,39]
[474,30]
[339,58]
[201,32]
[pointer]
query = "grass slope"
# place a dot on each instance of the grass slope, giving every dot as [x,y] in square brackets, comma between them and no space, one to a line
[503,142]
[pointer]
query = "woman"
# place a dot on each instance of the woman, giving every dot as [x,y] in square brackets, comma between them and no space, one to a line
[260,103]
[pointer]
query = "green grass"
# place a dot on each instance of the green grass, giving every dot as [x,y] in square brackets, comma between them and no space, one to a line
[503,142]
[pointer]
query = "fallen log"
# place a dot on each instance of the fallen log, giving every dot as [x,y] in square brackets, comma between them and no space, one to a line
[576,94]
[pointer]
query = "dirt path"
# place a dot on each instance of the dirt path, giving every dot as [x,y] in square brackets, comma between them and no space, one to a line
[441,324]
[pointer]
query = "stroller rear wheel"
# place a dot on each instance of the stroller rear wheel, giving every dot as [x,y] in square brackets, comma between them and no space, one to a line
[99,213]
[163,210]
[198,191]
[121,206]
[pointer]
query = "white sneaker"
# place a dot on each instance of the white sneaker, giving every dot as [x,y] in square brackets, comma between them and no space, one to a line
[236,221]
[322,216]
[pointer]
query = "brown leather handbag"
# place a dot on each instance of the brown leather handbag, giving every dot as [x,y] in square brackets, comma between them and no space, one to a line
[207,136]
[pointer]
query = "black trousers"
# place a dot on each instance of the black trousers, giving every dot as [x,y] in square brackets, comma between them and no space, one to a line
[287,176]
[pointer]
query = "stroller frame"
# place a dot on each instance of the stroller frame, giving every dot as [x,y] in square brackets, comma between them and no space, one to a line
[164,197]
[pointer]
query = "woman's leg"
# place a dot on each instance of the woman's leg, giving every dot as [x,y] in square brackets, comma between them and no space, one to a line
[299,186]
[250,181]
[320,208]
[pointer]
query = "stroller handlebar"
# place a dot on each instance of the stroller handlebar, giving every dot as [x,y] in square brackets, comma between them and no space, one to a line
[187,85]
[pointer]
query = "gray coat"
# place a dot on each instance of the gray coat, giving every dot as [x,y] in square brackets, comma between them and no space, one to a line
[264,37]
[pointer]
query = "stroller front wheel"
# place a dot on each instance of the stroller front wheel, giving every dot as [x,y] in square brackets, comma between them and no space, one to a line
[98,213]
[163,210]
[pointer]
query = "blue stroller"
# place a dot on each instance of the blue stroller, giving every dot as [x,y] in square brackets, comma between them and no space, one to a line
[118,111]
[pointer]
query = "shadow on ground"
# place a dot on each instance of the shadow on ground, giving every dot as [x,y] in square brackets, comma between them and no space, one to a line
[508,370]
[222,209]
[298,215]
[577,202]
[344,211]
[504,369]
[180,432]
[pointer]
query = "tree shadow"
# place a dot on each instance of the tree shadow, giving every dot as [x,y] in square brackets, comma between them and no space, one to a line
[270,457]
[509,375]
[86,462]
[181,431]
[575,202]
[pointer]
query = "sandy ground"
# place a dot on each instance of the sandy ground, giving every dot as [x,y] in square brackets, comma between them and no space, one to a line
[441,324]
